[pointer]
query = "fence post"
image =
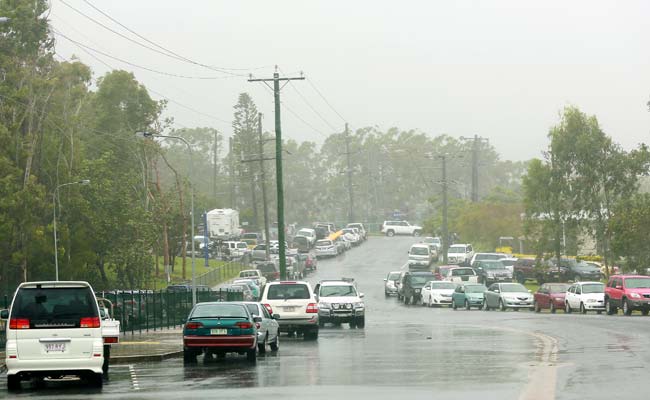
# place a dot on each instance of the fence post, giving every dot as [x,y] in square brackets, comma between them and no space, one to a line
[132,313]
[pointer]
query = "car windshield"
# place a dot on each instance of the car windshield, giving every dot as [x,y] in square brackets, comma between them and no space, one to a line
[267,267]
[513,287]
[558,288]
[456,249]
[324,243]
[337,291]
[419,251]
[637,283]
[593,288]
[493,265]
[249,273]
[305,233]
[419,279]
[442,285]
[60,307]
[462,272]
[219,311]
[475,288]
[393,276]
[289,291]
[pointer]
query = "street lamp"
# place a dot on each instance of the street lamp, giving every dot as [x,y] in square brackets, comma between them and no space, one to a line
[143,135]
[56,248]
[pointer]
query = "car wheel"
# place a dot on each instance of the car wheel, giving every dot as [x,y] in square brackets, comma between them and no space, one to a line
[361,322]
[406,300]
[486,307]
[251,355]
[430,302]
[502,306]
[582,308]
[261,347]
[536,307]
[95,380]
[553,307]
[416,233]
[467,306]
[311,335]
[189,356]
[414,301]
[627,310]
[390,233]
[352,323]
[453,304]
[644,311]
[276,344]
[609,308]
[567,308]
[13,382]
[386,294]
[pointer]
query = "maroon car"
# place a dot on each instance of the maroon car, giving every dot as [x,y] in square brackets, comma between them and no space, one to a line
[551,296]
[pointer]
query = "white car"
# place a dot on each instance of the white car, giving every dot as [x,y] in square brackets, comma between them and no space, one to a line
[420,256]
[390,283]
[236,249]
[296,306]
[436,293]
[54,329]
[461,275]
[585,296]
[326,248]
[434,242]
[253,274]
[460,254]
[363,232]
[392,228]
[340,302]
[353,236]
[309,233]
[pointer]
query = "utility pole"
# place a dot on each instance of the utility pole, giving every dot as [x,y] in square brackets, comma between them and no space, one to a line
[477,140]
[263,177]
[278,164]
[350,193]
[231,173]
[445,227]
[214,166]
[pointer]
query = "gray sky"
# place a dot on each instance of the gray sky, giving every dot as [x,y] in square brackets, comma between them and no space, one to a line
[501,69]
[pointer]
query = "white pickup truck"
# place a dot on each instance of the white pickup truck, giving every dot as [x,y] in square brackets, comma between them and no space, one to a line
[110,330]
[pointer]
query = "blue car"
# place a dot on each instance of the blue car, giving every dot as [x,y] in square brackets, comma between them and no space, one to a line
[468,295]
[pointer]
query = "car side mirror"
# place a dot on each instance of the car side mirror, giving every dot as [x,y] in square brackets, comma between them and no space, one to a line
[361,295]
[4,314]
[275,316]
[497,291]
[385,279]
[619,287]
[257,319]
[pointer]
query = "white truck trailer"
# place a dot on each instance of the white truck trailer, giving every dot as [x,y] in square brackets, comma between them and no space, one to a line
[223,224]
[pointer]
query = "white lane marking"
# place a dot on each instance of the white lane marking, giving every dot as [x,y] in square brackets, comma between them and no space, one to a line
[134,377]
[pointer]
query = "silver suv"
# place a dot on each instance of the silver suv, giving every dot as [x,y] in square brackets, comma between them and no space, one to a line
[54,330]
[340,302]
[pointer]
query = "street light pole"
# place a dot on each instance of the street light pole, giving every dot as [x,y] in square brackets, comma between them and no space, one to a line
[189,148]
[54,196]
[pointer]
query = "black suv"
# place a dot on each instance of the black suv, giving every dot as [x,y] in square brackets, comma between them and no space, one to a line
[410,287]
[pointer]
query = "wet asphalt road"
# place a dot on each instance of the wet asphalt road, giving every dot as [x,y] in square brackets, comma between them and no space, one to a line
[409,351]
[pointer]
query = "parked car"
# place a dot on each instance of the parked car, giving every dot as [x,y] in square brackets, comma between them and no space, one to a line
[362,229]
[246,292]
[268,329]
[460,254]
[326,248]
[251,285]
[585,296]
[54,329]
[301,243]
[309,233]
[442,272]
[392,228]
[340,302]
[573,270]
[390,281]
[433,242]
[461,275]
[628,292]
[468,295]
[217,328]
[411,286]
[490,271]
[352,236]
[295,304]
[420,257]
[233,250]
[550,296]
[486,257]
[269,270]
[508,295]
[255,275]
[110,330]
[259,252]
[437,293]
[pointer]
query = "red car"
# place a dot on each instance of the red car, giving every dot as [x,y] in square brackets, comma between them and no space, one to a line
[550,296]
[629,292]
[311,262]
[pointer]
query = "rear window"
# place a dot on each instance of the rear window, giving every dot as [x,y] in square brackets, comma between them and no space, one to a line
[249,273]
[219,310]
[324,243]
[48,308]
[462,272]
[266,267]
[288,291]
[252,308]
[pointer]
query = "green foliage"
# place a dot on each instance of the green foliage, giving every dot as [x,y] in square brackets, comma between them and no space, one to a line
[630,227]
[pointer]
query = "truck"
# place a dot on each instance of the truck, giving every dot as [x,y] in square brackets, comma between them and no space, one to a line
[223,224]
[110,330]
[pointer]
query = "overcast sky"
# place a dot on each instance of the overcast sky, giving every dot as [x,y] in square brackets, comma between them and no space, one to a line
[500,69]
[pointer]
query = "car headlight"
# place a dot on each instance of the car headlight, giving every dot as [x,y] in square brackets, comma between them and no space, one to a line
[324,305]
[635,295]
[558,298]
[358,304]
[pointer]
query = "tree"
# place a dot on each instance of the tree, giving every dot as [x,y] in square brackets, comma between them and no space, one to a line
[630,228]
[245,146]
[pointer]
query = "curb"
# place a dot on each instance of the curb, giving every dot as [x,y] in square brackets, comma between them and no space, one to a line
[146,357]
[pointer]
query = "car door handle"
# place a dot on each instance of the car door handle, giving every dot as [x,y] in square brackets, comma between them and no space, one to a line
[55,339]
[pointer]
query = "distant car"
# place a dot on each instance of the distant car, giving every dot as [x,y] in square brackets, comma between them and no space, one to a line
[301,243]
[309,233]
[390,281]
[53,329]
[353,236]
[217,328]
[362,229]
[491,271]
[340,302]
[468,295]
[268,329]
[573,270]
[269,270]
[628,292]
[255,275]
[311,262]
[252,286]
[296,306]
[585,296]
[461,275]
[437,293]
[410,287]
[420,257]
[392,228]
[460,254]
[486,257]
[326,248]
[508,295]
[433,242]
[246,292]
[259,252]
[550,296]
[442,272]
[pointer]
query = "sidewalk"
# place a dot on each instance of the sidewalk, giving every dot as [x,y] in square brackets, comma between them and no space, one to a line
[141,347]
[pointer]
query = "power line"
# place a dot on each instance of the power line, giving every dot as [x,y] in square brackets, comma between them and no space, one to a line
[324,99]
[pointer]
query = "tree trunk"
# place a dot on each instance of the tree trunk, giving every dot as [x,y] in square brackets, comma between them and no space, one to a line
[102,270]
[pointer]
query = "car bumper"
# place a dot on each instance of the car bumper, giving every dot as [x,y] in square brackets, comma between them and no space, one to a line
[327,253]
[440,300]
[288,324]
[333,315]
[640,304]
[391,290]
[243,341]
[519,304]
[74,366]
[595,306]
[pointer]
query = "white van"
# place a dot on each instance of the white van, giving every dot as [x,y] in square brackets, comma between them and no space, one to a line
[460,254]
[54,330]
[420,256]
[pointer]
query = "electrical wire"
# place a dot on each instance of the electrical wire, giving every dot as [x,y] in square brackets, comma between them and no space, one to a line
[311,83]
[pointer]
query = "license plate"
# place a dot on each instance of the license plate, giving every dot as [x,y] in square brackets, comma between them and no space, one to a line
[523,303]
[289,309]
[218,331]
[55,347]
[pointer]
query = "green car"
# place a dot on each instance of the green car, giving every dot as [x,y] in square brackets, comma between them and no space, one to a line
[468,296]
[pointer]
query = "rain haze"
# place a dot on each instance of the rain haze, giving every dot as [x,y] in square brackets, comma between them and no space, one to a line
[500,69]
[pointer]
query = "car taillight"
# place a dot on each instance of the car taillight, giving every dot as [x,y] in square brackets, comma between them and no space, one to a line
[89,322]
[110,340]
[244,325]
[257,325]
[312,308]
[193,325]
[19,323]
[268,308]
